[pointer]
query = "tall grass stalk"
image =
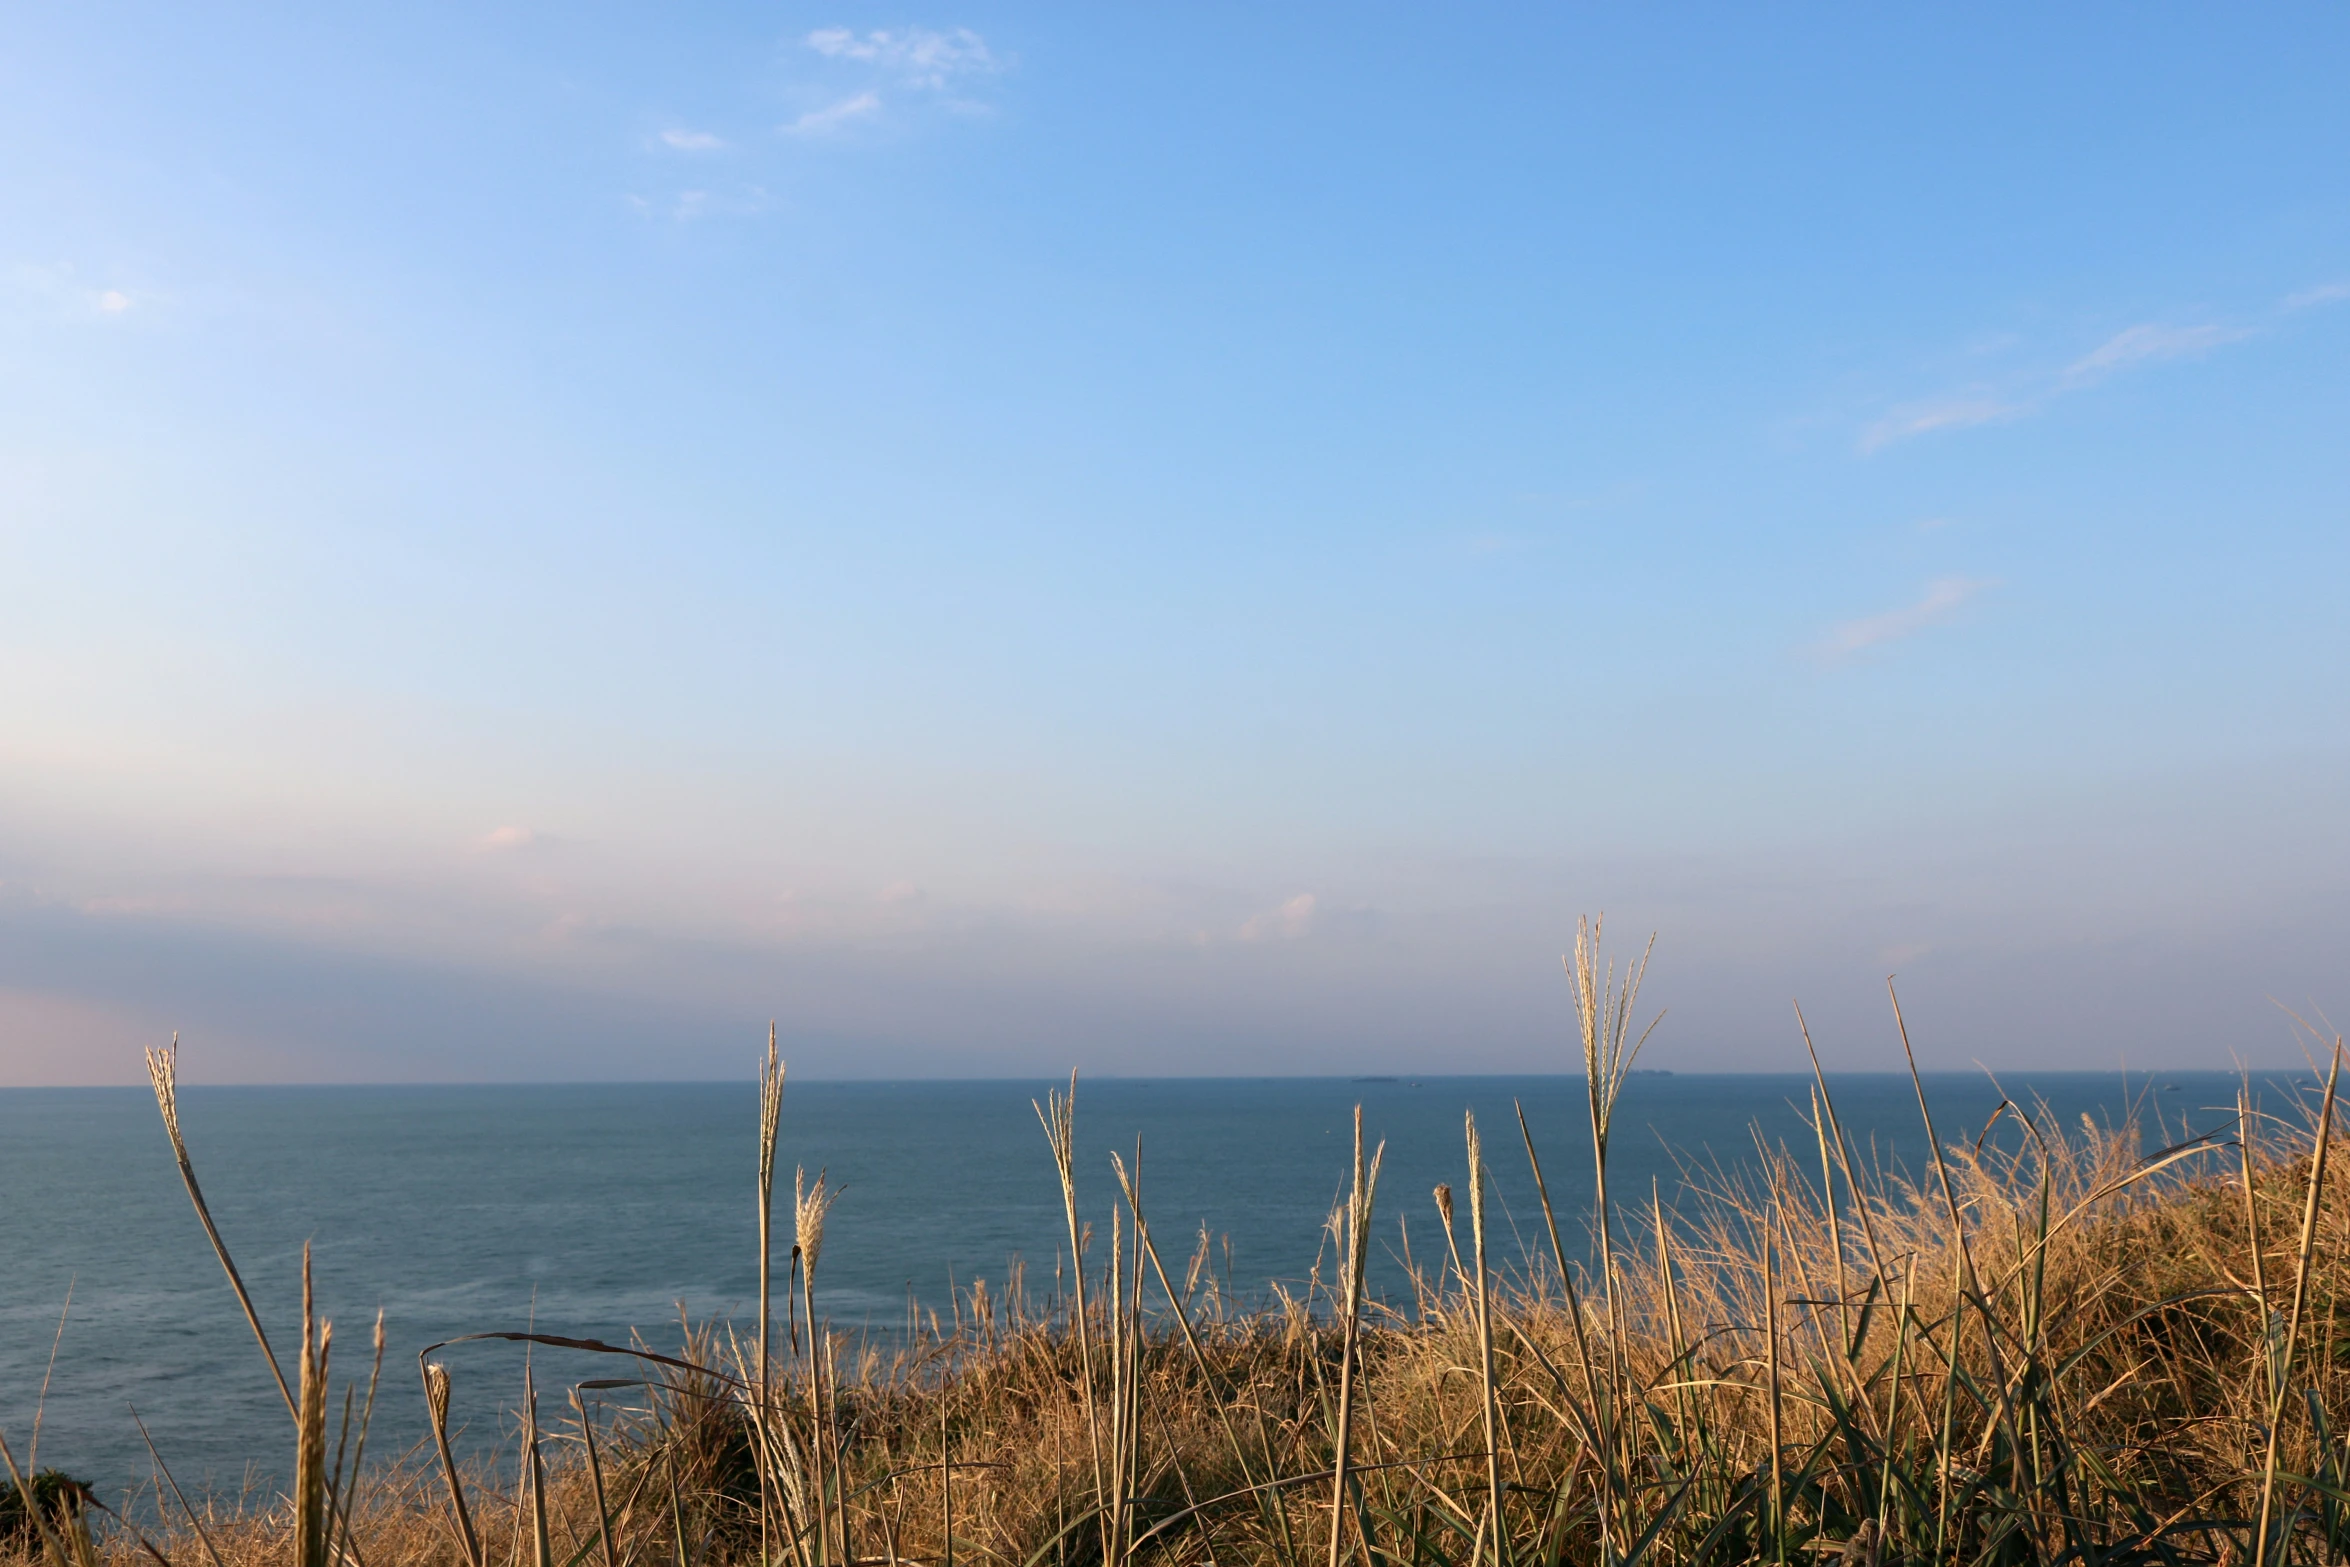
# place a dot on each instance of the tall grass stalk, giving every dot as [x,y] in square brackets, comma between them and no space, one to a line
[1489,1398]
[344,1483]
[1603,1007]
[1777,1457]
[542,1549]
[2283,1379]
[1059,1117]
[436,1400]
[310,1491]
[1358,1228]
[1114,1519]
[163,1072]
[1855,1192]
[763,1390]
[770,1121]
[810,1205]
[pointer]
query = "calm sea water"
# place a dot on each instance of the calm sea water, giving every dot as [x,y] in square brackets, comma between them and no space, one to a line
[590,1210]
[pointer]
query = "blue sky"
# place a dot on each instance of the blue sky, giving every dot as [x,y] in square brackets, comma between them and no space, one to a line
[1180,540]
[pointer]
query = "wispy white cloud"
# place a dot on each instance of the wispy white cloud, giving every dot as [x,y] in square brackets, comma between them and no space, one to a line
[2148,343]
[691,141]
[917,56]
[1287,921]
[1942,413]
[2132,348]
[938,67]
[2323,294]
[833,117]
[1943,598]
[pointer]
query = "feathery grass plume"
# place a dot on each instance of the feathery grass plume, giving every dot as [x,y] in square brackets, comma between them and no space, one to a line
[1357,1240]
[1603,1008]
[1198,1267]
[1128,1339]
[310,1492]
[163,1072]
[810,1204]
[770,1119]
[1058,1115]
[1443,1196]
[436,1403]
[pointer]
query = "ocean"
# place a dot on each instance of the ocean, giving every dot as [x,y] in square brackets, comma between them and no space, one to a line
[591,1210]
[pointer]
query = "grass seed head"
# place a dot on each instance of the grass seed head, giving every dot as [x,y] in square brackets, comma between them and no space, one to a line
[810,1203]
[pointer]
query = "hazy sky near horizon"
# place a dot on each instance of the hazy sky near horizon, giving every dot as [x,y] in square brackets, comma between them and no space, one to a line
[1179,539]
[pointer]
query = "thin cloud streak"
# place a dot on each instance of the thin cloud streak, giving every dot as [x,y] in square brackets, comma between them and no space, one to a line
[2132,348]
[2148,343]
[692,141]
[1944,597]
[1951,413]
[825,121]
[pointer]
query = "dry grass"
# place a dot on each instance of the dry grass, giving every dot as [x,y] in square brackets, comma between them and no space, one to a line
[2050,1347]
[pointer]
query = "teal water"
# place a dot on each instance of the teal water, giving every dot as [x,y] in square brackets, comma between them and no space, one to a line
[590,1210]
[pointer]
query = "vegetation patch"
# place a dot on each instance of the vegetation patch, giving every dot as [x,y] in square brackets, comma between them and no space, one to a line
[2049,1346]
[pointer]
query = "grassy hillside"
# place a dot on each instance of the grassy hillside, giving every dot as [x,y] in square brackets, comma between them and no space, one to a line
[2052,1345]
